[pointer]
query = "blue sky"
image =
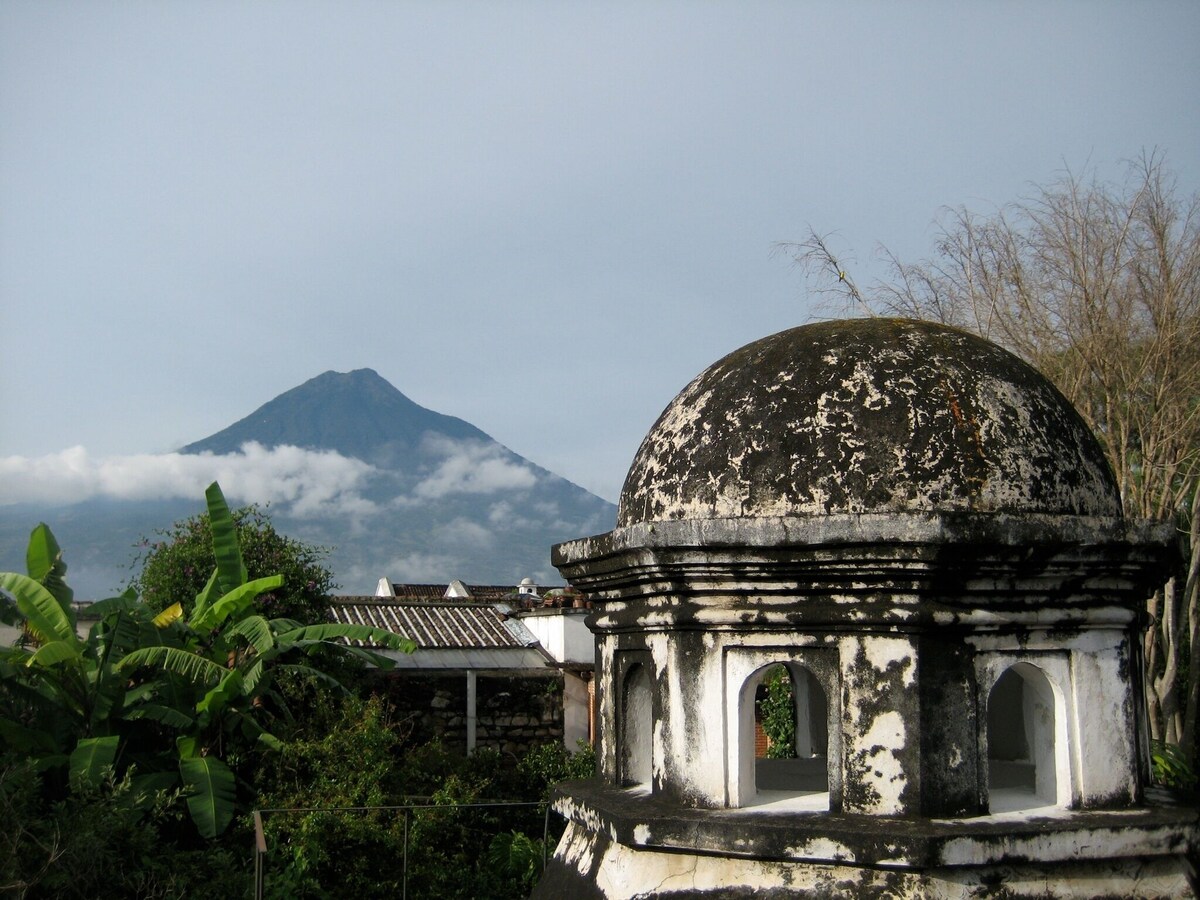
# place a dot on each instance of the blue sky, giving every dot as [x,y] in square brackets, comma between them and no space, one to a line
[543,218]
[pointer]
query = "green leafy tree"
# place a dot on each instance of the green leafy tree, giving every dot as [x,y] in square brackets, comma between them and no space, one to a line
[779,715]
[351,761]
[177,565]
[546,765]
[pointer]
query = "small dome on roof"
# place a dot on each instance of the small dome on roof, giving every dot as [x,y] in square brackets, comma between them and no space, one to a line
[868,416]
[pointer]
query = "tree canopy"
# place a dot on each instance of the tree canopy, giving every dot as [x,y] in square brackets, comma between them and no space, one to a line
[177,563]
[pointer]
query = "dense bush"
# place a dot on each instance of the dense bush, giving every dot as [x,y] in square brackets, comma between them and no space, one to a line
[454,848]
[108,841]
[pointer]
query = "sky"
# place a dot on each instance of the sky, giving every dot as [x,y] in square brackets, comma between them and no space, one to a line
[544,218]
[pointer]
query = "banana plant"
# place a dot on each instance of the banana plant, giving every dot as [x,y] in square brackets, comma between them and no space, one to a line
[224,661]
[62,698]
[87,706]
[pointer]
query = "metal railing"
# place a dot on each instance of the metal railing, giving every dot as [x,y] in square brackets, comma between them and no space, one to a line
[260,837]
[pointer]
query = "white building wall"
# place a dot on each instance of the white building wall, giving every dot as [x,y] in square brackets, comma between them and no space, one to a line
[564,635]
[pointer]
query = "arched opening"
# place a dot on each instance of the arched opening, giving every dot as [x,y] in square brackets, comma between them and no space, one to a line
[637,726]
[786,705]
[1024,741]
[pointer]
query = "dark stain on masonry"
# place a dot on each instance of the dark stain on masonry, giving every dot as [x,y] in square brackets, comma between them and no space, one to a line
[870,415]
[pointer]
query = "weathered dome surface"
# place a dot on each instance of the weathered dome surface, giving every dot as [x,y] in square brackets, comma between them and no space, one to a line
[867,416]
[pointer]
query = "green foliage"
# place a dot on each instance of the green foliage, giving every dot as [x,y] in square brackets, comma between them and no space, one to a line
[517,856]
[779,715]
[176,566]
[545,766]
[1171,768]
[187,698]
[111,840]
[350,760]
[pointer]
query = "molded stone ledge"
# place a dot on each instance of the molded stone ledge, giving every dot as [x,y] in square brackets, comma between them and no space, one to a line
[634,818]
[954,527]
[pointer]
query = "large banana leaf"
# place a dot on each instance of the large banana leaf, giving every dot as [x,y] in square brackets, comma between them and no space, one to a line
[233,602]
[172,613]
[216,699]
[108,690]
[257,632]
[231,571]
[165,715]
[192,666]
[44,563]
[54,652]
[125,602]
[123,631]
[43,614]
[90,758]
[254,731]
[25,740]
[210,592]
[377,637]
[211,798]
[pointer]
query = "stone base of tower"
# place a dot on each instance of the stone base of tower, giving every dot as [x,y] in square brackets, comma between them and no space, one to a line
[622,844]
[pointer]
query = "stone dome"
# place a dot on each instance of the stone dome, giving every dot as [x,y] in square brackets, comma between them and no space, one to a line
[868,416]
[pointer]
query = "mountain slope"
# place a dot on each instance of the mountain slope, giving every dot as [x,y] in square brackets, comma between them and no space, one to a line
[358,414]
[412,495]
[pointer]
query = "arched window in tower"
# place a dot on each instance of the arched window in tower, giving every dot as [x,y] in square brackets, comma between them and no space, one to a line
[1026,742]
[637,727]
[784,739]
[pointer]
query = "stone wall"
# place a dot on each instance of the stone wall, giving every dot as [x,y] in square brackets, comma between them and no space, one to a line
[512,714]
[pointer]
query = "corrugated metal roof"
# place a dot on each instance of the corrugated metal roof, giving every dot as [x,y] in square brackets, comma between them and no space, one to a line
[433,625]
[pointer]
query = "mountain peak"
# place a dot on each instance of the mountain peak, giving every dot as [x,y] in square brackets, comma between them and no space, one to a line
[357,413]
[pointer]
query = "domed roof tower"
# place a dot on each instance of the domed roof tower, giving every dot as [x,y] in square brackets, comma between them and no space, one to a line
[912,533]
[868,416]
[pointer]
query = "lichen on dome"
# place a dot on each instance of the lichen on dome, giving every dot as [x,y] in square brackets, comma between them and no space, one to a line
[866,416]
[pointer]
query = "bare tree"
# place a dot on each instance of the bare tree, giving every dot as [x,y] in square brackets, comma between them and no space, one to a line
[1098,286]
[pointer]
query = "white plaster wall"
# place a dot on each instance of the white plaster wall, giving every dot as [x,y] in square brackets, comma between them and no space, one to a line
[690,737]
[564,636]
[1108,769]
[1038,709]
[579,644]
[606,713]
[875,740]
[618,872]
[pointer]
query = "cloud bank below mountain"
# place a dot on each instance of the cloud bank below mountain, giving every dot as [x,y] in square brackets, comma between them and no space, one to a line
[304,483]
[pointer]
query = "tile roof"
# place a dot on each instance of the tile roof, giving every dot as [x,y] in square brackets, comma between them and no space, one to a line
[457,635]
[436,625]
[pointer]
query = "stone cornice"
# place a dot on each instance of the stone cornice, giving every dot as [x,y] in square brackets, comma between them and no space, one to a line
[915,568]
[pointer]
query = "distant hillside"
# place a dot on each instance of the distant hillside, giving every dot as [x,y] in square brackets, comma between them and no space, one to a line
[440,499]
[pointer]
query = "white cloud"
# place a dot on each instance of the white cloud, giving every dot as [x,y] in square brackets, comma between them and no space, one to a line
[469,467]
[426,568]
[462,532]
[505,515]
[304,482]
